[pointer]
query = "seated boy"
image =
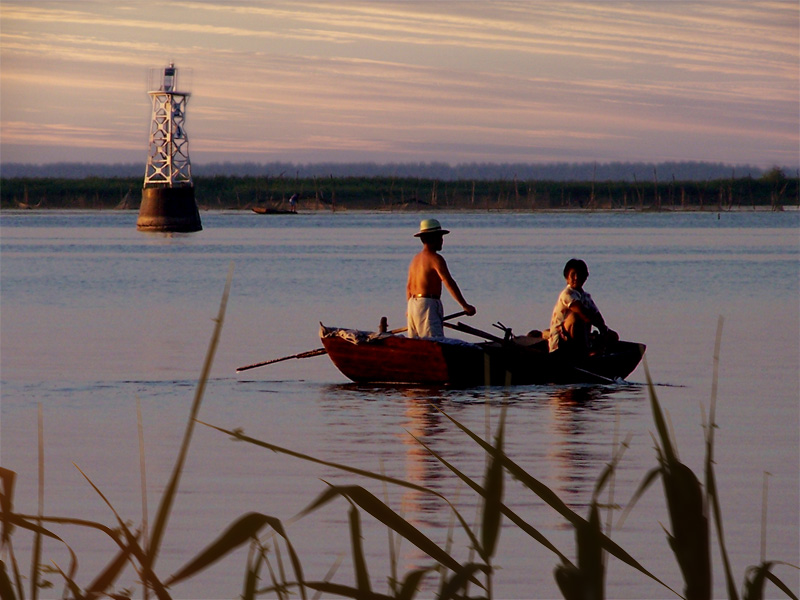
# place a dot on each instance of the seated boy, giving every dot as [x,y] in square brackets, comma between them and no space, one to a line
[574,315]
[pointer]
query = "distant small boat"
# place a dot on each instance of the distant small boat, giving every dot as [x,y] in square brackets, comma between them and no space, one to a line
[263,210]
[366,357]
[27,205]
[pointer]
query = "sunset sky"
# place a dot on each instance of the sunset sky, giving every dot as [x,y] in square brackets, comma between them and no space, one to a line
[451,81]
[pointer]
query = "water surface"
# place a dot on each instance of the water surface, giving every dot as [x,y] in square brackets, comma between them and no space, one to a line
[96,315]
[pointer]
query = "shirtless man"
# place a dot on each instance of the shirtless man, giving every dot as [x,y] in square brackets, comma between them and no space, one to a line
[426,273]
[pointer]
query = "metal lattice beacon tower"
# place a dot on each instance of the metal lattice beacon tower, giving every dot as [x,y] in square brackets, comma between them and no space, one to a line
[168,202]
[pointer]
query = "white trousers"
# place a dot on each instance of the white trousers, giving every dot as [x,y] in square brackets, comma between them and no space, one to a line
[425,318]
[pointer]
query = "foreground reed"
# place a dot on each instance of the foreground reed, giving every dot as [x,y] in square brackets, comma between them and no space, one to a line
[266,535]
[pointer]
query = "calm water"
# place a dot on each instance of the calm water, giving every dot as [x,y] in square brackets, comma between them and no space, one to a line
[96,315]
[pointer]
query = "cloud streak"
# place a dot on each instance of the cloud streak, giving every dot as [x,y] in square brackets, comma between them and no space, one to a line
[447,81]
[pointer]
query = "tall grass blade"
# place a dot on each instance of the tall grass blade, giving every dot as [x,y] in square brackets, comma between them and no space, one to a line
[282,587]
[277,587]
[393,579]
[142,477]
[329,575]
[556,503]
[541,490]
[411,584]
[712,492]
[586,581]
[239,435]
[568,579]
[590,555]
[372,505]
[239,532]
[130,542]
[460,580]
[616,455]
[756,579]
[106,578]
[172,487]
[70,584]
[507,512]
[8,478]
[148,576]
[670,457]
[448,544]
[279,560]
[17,575]
[689,539]
[36,555]
[764,491]
[493,498]
[359,562]
[610,468]
[647,481]
[26,522]
[6,587]
[254,560]
[345,591]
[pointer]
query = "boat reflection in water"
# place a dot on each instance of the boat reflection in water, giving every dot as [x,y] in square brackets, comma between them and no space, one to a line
[576,440]
[388,441]
[423,423]
[561,435]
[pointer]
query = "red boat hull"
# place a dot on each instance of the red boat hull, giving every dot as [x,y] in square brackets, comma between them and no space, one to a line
[371,358]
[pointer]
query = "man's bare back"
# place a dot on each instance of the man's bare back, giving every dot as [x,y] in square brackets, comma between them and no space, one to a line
[428,270]
[424,275]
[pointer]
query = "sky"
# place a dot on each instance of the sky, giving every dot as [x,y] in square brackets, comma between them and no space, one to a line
[446,81]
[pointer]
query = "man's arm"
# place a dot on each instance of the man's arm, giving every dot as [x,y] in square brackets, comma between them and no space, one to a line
[451,285]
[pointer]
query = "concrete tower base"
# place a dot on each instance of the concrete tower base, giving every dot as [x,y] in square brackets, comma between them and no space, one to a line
[168,209]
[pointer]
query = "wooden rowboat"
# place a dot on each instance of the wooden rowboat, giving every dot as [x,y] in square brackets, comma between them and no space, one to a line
[366,357]
[263,210]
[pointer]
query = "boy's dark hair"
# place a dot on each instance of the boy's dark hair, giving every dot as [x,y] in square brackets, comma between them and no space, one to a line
[578,265]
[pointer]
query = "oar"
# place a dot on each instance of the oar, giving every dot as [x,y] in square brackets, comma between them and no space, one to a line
[601,378]
[462,327]
[319,351]
[307,354]
[478,333]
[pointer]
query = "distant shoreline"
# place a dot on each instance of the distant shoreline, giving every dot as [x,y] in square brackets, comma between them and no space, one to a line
[311,211]
[773,190]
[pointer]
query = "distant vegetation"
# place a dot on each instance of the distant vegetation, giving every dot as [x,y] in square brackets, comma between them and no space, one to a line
[586,171]
[772,189]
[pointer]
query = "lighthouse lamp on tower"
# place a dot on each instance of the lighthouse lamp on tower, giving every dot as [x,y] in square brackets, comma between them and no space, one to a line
[168,202]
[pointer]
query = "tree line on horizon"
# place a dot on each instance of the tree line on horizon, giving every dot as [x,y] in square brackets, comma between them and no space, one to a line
[773,189]
[554,171]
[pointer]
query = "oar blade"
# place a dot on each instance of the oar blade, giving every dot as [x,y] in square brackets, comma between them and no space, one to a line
[307,354]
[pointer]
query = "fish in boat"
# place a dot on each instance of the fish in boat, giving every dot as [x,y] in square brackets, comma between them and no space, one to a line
[369,357]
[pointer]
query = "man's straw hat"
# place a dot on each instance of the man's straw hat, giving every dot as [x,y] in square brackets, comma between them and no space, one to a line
[430,226]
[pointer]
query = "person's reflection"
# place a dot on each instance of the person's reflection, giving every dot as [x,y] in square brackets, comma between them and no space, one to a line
[423,422]
[569,452]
